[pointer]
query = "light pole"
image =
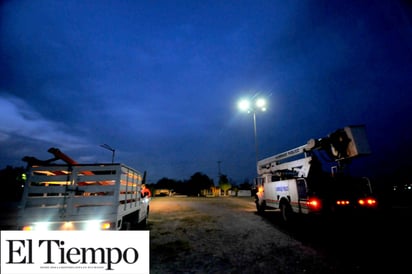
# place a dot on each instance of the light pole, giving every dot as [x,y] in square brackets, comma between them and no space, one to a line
[106,146]
[218,168]
[252,106]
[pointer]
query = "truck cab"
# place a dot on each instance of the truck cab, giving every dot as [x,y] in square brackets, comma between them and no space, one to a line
[313,179]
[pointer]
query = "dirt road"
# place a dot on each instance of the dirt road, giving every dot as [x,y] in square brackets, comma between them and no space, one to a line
[224,235]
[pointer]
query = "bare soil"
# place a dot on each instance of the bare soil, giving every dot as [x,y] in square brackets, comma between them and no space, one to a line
[224,235]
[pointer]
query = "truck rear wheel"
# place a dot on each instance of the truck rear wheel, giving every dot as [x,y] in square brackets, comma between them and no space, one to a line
[286,212]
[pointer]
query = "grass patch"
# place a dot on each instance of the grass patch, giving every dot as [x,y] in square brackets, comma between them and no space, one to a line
[169,251]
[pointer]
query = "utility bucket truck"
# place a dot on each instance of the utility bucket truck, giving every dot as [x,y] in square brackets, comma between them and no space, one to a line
[73,196]
[314,178]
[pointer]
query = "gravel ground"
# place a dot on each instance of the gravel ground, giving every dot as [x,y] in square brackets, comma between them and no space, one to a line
[224,235]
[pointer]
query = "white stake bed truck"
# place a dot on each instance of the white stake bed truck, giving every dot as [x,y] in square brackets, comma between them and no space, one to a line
[82,197]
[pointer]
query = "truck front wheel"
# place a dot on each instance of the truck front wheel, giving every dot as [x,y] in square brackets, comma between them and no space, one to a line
[144,223]
[260,207]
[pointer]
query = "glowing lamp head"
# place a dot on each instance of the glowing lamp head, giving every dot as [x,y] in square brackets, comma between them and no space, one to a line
[261,104]
[244,105]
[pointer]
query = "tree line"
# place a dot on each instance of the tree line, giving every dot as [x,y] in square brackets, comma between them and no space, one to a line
[12,181]
[197,184]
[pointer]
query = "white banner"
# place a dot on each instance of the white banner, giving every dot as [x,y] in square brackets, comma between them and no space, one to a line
[75,252]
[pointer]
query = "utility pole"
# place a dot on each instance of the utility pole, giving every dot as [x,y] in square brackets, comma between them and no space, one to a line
[106,146]
[218,168]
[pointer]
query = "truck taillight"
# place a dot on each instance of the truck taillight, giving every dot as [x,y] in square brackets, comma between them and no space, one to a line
[368,202]
[342,202]
[314,203]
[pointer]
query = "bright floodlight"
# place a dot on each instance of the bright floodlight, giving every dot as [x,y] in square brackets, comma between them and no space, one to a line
[256,104]
[261,103]
[244,105]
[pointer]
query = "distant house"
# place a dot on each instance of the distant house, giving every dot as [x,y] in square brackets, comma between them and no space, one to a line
[211,192]
[163,192]
[240,193]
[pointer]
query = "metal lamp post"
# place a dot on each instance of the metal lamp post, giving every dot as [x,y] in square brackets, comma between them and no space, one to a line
[253,106]
[106,146]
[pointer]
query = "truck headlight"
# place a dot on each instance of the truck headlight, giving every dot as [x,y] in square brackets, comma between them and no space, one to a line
[39,226]
[97,225]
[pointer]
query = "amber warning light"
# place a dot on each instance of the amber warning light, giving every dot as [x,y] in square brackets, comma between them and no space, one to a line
[368,202]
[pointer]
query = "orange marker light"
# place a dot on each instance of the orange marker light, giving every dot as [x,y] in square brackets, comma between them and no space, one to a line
[106,226]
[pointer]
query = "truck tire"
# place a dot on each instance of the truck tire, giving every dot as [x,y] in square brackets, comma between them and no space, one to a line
[126,226]
[286,212]
[144,223]
[260,208]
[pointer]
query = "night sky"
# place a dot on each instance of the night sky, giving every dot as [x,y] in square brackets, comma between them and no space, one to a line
[159,81]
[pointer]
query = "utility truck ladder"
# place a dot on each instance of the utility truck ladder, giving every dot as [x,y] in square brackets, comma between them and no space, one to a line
[278,163]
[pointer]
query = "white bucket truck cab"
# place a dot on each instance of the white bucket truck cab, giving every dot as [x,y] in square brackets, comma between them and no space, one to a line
[314,179]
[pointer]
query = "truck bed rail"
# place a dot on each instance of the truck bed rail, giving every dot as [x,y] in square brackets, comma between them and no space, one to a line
[55,193]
